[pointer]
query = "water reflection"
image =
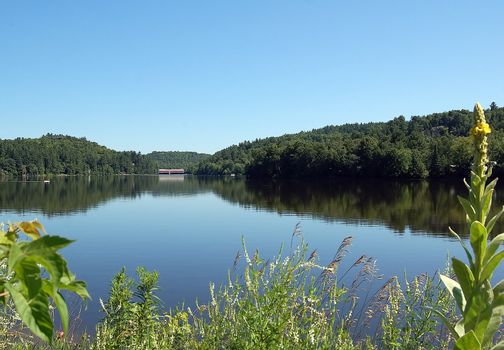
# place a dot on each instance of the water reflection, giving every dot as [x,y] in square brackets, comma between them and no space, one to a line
[420,206]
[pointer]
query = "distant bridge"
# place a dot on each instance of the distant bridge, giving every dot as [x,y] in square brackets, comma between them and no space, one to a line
[171,171]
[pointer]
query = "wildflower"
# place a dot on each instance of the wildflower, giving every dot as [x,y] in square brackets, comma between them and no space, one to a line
[479,135]
[481,129]
[311,335]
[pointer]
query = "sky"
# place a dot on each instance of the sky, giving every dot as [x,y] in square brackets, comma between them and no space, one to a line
[203,75]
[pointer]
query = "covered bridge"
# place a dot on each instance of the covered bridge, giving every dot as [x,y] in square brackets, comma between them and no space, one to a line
[171,171]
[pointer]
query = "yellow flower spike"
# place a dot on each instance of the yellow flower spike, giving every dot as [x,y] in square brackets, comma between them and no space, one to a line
[481,129]
[479,135]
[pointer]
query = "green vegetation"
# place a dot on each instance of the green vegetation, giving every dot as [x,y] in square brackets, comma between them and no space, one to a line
[423,147]
[33,274]
[172,160]
[481,305]
[59,154]
[431,146]
[290,301]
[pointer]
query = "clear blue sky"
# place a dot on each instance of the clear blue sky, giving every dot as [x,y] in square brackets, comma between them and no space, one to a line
[202,75]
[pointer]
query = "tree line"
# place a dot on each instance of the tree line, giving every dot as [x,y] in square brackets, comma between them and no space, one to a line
[436,145]
[61,154]
[175,159]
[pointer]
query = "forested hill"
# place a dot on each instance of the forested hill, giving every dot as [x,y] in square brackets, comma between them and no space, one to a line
[174,159]
[425,146]
[61,154]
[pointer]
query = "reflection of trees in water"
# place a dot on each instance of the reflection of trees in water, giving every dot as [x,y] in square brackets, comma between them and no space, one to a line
[68,195]
[423,207]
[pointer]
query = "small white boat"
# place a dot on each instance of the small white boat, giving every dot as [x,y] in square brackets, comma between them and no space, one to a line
[47,181]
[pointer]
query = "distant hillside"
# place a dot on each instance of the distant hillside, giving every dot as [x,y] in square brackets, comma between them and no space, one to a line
[435,145]
[170,160]
[61,154]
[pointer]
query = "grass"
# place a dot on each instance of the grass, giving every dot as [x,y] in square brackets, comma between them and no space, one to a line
[290,301]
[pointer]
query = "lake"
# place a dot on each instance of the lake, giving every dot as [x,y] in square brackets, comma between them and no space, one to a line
[189,229]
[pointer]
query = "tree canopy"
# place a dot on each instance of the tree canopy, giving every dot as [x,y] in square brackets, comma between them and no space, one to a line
[176,159]
[61,154]
[435,145]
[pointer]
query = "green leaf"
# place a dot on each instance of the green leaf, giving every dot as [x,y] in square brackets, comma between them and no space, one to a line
[475,180]
[486,202]
[34,313]
[468,341]
[478,239]
[60,303]
[27,274]
[495,320]
[491,185]
[63,310]
[459,298]
[459,327]
[78,287]
[4,241]
[43,251]
[479,310]
[498,302]
[15,255]
[454,332]
[466,184]
[11,236]
[455,291]
[499,287]
[493,246]
[493,220]
[491,265]
[48,242]
[468,253]
[468,208]
[464,276]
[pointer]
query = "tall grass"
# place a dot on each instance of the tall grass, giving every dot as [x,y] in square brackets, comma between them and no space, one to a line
[290,301]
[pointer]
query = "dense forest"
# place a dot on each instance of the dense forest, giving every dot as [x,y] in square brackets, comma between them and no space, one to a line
[435,145]
[60,154]
[174,159]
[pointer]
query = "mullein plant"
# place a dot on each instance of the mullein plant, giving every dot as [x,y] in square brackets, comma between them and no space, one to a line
[481,305]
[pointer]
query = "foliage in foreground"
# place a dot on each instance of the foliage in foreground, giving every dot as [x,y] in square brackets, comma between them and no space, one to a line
[481,305]
[288,302]
[34,274]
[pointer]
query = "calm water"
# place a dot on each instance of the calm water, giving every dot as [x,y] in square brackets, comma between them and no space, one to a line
[189,229]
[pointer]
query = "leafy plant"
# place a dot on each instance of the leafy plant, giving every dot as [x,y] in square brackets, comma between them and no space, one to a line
[36,274]
[132,317]
[407,321]
[481,305]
